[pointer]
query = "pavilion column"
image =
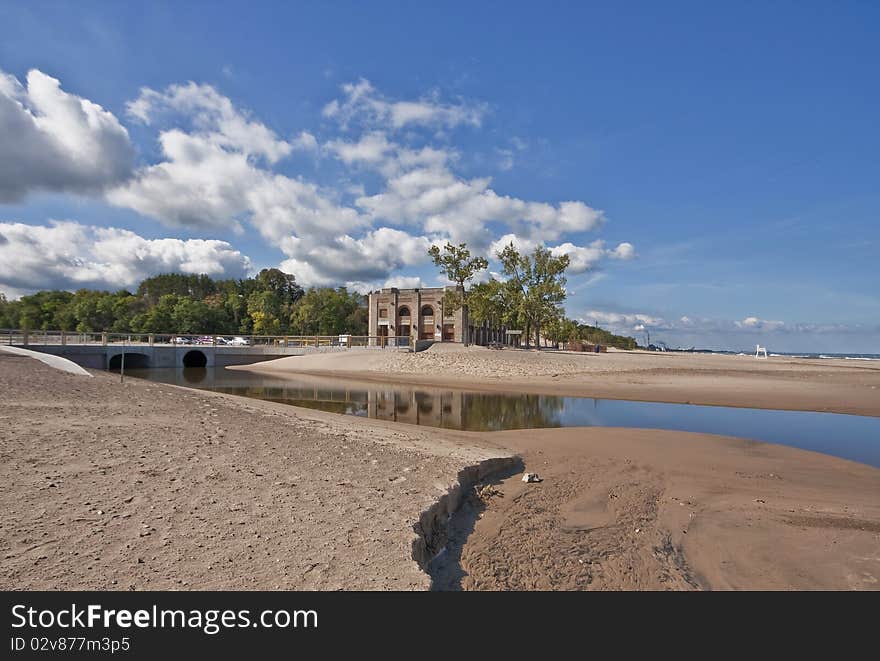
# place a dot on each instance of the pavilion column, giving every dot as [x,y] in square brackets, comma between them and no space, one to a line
[416,329]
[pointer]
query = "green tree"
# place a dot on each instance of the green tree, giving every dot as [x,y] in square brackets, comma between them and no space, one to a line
[159,318]
[265,323]
[8,312]
[193,304]
[540,278]
[282,284]
[125,306]
[45,310]
[195,317]
[561,330]
[94,310]
[596,335]
[264,309]
[196,287]
[358,320]
[457,264]
[496,301]
[328,311]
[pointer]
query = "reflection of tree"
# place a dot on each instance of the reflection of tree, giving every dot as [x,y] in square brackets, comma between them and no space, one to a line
[493,412]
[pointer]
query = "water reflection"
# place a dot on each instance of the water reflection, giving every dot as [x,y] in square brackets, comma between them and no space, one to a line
[848,436]
[450,409]
[195,375]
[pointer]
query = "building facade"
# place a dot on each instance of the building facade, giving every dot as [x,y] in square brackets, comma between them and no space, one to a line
[418,314]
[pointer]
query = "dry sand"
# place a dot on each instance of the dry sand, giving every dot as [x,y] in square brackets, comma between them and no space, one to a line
[840,386]
[147,486]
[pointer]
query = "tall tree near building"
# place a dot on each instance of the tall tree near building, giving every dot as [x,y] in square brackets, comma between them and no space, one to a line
[498,302]
[327,311]
[456,263]
[541,280]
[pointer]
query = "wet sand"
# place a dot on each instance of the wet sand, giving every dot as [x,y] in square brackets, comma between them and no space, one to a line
[637,509]
[838,386]
[148,486]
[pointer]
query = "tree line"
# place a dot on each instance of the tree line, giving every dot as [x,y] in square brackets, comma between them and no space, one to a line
[530,297]
[271,303]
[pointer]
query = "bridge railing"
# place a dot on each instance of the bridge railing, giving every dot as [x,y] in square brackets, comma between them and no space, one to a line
[24,337]
[19,337]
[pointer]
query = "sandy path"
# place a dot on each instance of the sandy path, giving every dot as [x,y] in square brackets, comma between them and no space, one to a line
[146,486]
[840,386]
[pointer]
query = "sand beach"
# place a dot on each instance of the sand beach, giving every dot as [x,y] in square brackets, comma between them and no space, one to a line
[150,486]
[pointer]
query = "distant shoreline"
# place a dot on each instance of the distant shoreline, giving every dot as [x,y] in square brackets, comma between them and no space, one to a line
[785,354]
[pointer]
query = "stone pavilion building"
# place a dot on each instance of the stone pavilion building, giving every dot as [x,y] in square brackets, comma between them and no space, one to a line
[418,314]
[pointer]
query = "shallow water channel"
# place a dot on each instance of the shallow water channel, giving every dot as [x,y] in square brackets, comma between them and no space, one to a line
[848,436]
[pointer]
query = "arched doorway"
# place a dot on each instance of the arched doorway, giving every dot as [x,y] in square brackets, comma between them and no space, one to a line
[404,322]
[427,329]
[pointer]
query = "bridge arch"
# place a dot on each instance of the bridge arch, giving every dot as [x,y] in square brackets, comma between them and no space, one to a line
[132,361]
[195,358]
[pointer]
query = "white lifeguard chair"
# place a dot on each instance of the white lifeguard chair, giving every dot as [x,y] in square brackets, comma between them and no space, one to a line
[759,350]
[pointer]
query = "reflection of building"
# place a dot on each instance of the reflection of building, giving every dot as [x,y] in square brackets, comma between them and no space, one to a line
[471,411]
[418,314]
[434,408]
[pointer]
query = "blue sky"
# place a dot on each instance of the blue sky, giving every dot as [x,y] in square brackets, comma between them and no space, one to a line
[711,170]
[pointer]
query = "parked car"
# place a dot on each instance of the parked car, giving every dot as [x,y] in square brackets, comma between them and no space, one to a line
[239,341]
[222,340]
[181,340]
[205,339]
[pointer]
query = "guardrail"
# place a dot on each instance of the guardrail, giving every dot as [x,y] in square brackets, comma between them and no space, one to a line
[18,337]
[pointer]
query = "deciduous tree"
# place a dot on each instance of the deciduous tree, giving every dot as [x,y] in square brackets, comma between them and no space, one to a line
[457,264]
[541,280]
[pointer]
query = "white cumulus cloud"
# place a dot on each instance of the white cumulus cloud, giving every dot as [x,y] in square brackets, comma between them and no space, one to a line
[441,203]
[69,255]
[218,172]
[581,258]
[347,259]
[753,323]
[56,141]
[215,116]
[363,103]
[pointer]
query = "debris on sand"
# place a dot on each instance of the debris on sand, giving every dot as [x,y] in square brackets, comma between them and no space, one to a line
[531,477]
[488,491]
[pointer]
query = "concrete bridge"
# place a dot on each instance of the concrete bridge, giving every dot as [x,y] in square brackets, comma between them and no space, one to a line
[106,350]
